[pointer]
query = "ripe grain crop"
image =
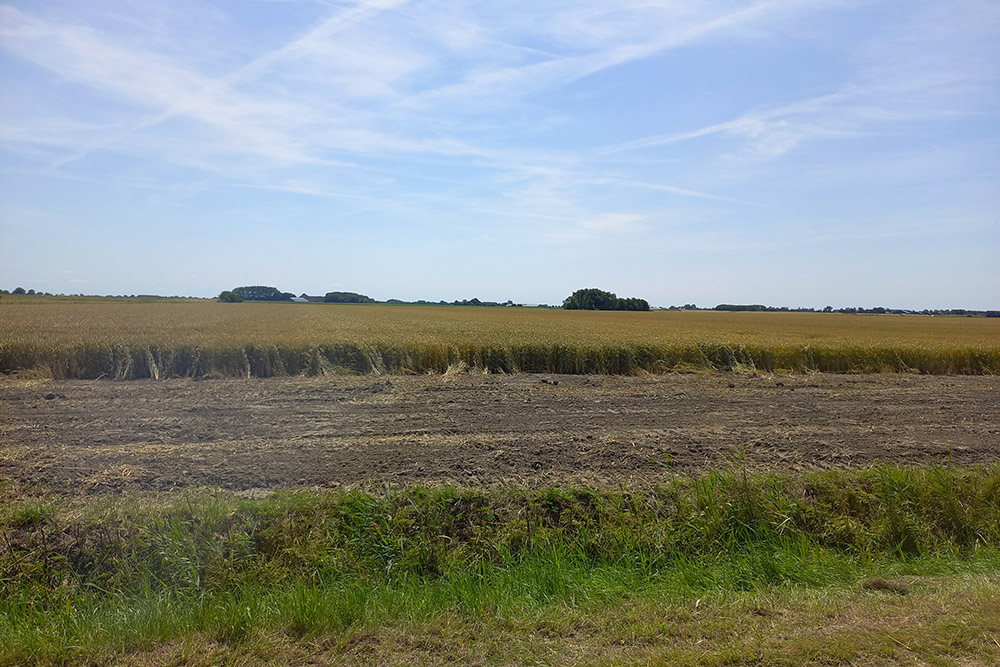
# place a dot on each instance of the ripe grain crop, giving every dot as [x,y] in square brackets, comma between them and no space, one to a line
[123,338]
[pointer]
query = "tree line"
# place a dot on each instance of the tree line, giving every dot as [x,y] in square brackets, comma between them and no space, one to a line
[266,293]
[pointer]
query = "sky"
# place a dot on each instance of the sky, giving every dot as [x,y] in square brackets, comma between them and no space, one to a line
[793,152]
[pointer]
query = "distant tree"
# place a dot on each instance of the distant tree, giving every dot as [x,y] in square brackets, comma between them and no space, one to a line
[18,290]
[633,304]
[595,299]
[262,293]
[591,299]
[347,297]
[754,307]
[230,297]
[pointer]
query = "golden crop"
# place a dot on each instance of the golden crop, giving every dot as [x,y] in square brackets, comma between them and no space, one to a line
[126,338]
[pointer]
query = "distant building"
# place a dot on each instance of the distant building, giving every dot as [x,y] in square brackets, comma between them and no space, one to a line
[305,298]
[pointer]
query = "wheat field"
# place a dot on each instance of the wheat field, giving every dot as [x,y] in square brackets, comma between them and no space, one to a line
[130,338]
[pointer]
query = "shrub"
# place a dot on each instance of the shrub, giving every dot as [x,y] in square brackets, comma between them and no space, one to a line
[230,297]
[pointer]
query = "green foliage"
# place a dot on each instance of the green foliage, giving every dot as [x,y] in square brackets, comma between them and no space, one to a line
[347,297]
[124,573]
[262,293]
[227,296]
[206,543]
[632,304]
[595,299]
[591,299]
[749,308]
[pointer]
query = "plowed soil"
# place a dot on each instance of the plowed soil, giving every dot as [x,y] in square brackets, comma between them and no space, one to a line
[80,437]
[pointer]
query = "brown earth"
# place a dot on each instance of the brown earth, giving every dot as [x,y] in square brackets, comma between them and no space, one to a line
[470,429]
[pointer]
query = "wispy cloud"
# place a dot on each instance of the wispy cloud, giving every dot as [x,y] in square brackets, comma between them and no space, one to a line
[557,121]
[851,112]
[900,80]
[296,130]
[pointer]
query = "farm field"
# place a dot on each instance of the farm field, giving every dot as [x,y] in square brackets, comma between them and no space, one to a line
[351,485]
[470,429]
[124,338]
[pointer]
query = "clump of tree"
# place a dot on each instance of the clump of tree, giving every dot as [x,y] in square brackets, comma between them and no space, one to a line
[509,303]
[347,297]
[228,296]
[262,293]
[632,303]
[595,299]
[742,308]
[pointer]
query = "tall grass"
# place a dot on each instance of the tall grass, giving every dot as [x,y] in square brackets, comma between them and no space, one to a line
[178,339]
[89,576]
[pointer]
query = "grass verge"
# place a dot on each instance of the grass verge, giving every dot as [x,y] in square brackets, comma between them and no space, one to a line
[872,566]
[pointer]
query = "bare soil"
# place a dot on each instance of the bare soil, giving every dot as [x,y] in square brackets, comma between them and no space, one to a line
[80,437]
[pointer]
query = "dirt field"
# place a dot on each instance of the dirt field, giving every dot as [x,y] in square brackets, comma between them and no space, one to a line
[469,429]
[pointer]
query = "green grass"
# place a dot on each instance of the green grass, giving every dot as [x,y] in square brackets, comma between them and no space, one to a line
[99,579]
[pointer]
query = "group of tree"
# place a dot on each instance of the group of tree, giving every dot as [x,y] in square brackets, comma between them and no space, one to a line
[266,293]
[256,293]
[595,299]
[21,290]
[464,302]
[347,297]
[860,310]
[758,308]
[229,296]
[476,302]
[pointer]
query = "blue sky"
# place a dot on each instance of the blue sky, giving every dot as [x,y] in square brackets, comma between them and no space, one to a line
[798,153]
